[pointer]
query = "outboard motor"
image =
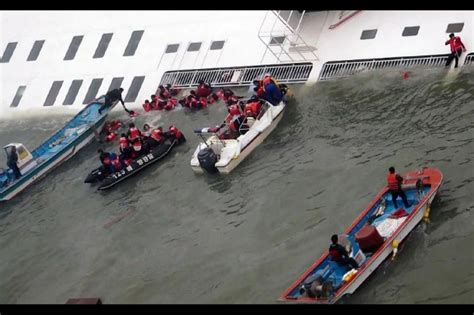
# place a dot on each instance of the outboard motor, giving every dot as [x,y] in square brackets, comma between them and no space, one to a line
[207,160]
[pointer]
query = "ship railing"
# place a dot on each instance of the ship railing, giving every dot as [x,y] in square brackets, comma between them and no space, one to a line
[339,69]
[238,76]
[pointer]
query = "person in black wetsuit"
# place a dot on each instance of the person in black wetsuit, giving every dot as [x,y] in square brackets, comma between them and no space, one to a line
[111,97]
[12,162]
[339,254]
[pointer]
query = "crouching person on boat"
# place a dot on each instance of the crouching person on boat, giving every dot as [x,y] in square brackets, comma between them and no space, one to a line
[339,254]
[175,133]
[156,138]
[273,93]
[105,160]
[394,182]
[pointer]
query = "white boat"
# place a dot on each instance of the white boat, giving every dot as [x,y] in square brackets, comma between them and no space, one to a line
[230,152]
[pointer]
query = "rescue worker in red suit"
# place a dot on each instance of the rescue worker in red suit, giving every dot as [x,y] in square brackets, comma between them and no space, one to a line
[457,47]
[394,182]
[176,134]
[339,254]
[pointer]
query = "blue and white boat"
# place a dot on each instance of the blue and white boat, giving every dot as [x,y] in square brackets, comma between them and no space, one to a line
[60,147]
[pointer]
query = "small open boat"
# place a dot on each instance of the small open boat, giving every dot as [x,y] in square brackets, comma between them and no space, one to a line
[370,239]
[77,133]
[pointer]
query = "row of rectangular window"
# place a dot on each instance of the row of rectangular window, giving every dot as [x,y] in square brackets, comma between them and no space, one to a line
[104,42]
[91,93]
[413,31]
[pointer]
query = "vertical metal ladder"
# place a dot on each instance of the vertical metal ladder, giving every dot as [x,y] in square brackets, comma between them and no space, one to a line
[280,33]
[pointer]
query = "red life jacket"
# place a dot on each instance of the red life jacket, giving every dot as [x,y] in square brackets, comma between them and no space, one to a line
[134,133]
[203,101]
[455,44]
[220,94]
[254,108]
[230,119]
[111,137]
[137,145]
[335,255]
[123,142]
[169,105]
[147,107]
[156,134]
[176,132]
[260,91]
[116,164]
[203,91]
[392,181]
[106,161]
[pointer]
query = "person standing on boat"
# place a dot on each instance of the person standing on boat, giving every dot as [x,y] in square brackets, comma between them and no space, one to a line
[12,162]
[457,47]
[394,182]
[111,97]
[339,254]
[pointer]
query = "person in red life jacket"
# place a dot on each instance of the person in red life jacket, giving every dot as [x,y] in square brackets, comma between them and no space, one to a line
[203,89]
[169,104]
[339,254]
[253,107]
[457,47]
[157,138]
[137,146]
[202,102]
[231,100]
[211,99]
[163,93]
[110,136]
[233,121]
[191,101]
[259,91]
[154,101]
[133,133]
[172,91]
[394,182]
[105,160]
[175,133]
[146,131]
[115,162]
[221,94]
[147,106]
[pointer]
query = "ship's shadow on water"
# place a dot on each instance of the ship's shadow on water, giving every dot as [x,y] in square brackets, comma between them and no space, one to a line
[168,235]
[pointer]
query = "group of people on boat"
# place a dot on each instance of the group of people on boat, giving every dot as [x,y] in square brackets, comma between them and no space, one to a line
[135,143]
[166,99]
